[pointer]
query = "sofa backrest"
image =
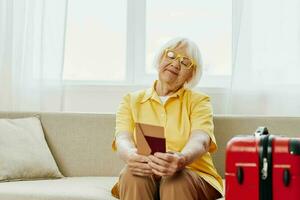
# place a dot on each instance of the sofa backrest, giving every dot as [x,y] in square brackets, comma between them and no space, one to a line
[81,142]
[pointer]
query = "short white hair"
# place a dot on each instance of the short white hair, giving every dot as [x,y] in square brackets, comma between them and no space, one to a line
[192,51]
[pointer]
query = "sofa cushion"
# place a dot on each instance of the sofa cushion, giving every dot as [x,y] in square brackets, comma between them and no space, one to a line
[24,153]
[69,188]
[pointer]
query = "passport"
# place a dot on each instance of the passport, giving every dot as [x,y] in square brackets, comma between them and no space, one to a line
[150,139]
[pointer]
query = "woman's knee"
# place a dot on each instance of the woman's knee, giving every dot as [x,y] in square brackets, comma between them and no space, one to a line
[187,185]
[128,179]
[136,187]
[179,179]
[179,186]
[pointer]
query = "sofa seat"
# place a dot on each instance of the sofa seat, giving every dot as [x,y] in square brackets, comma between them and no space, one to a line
[69,188]
[75,188]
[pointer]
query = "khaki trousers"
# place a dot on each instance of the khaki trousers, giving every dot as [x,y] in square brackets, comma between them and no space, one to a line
[185,185]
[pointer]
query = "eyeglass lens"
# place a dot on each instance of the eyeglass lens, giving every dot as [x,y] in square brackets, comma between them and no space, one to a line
[183,60]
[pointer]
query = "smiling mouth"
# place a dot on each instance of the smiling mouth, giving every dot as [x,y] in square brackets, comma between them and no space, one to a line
[172,72]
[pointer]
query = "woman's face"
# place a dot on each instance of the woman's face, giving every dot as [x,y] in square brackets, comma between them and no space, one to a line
[173,71]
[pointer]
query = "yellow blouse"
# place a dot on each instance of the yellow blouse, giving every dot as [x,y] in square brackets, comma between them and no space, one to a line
[183,112]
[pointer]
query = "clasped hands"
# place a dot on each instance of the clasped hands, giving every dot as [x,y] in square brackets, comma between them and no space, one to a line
[160,164]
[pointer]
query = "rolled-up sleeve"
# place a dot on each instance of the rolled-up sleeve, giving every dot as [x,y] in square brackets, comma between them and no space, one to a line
[124,119]
[201,118]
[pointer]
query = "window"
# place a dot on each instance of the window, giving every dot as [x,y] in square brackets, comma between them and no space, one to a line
[115,41]
[95,41]
[208,23]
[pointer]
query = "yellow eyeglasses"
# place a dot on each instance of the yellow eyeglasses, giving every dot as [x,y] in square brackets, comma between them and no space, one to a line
[186,62]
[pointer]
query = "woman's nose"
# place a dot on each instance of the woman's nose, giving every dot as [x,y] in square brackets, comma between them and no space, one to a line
[176,63]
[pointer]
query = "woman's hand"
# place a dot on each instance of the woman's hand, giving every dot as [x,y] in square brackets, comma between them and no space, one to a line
[166,164]
[138,165]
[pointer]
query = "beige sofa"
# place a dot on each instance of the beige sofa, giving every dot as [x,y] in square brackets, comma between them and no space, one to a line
[81,146]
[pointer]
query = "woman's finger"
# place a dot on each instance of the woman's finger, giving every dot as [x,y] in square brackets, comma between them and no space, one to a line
[141,172]
[157,167]
[141,158]
[143,166]
[159,161]
[158,172]
[168,157]
[140,169]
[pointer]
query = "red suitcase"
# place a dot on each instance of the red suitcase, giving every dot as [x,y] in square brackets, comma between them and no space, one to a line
[262,166]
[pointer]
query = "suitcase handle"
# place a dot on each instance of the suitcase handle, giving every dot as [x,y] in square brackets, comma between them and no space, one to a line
[262,130]
[286,177]
[240,175]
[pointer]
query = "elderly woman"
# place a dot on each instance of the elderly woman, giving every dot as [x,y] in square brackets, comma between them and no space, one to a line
[185,171]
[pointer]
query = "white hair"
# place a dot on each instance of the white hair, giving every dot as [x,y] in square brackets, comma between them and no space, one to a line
[192,51]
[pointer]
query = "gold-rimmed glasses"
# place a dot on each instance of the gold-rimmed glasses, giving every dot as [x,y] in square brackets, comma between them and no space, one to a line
[186,62]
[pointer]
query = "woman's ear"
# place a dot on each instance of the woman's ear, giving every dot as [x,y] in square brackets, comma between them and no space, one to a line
[191,77]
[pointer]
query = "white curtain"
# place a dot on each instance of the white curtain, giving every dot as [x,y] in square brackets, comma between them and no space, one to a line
[31,54]
[266,74]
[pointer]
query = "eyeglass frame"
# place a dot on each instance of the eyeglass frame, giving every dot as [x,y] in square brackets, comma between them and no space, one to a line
[180,56]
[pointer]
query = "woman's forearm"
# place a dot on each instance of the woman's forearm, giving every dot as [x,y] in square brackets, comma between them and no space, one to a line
[197,145]
[125,146]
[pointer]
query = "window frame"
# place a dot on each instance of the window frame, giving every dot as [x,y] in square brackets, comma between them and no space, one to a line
[135,45]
